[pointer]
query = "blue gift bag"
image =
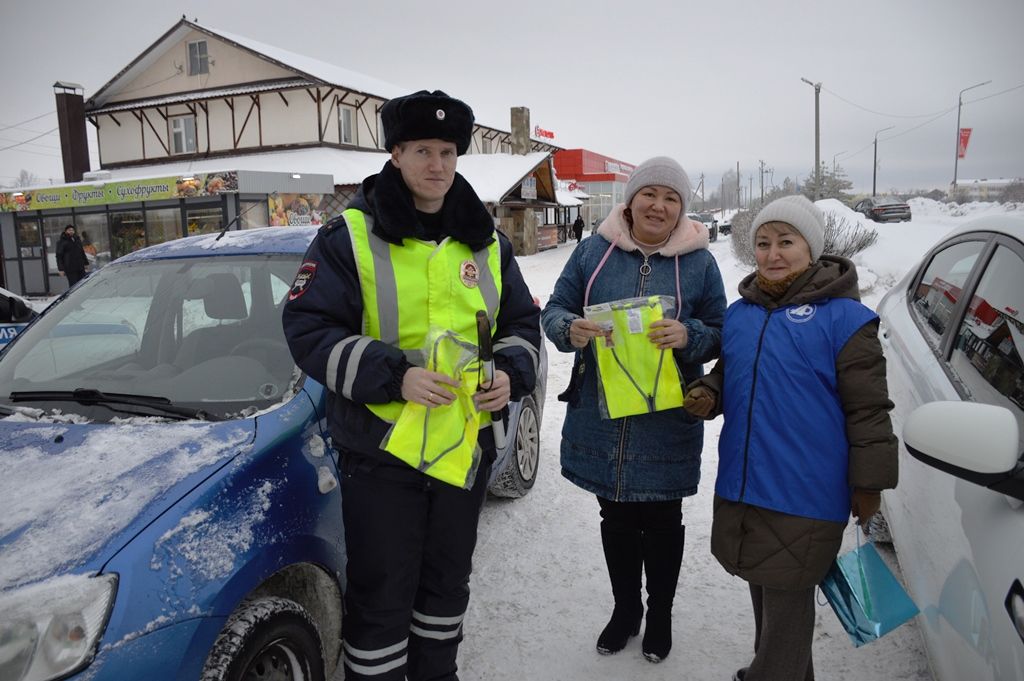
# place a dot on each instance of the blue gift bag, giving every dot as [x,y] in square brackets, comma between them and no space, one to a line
[866,597]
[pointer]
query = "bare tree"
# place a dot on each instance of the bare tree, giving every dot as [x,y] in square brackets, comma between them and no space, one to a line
[25,179]
[1014,192]
[842,238]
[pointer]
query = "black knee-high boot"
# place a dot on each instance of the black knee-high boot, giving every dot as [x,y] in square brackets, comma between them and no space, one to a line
[623,552]
[663,554]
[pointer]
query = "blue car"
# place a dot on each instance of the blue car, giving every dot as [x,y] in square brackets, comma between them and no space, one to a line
[169,500]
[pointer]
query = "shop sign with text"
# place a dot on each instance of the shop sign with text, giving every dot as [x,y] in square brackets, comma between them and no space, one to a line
[128,191]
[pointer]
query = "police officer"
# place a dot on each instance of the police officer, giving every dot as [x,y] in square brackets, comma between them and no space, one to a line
[416,252]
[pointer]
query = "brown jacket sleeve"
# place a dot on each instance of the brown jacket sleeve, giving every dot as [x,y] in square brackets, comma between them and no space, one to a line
[864,394]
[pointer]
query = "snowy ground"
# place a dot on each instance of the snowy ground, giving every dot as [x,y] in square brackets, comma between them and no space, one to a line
[540,589]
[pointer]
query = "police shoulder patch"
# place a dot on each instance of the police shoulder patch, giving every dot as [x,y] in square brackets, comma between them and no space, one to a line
[303,278]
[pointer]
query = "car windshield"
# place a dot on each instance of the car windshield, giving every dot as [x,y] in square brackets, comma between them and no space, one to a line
[200,333]
[888,201]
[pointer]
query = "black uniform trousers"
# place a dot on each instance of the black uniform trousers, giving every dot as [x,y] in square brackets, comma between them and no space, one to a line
[410,541]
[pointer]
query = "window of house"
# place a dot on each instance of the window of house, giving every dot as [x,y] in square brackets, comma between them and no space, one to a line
[183,134]
[486,146]
[941,288]
[198,60]
[346,125]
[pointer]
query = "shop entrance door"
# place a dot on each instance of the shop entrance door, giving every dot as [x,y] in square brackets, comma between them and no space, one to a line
[31,257]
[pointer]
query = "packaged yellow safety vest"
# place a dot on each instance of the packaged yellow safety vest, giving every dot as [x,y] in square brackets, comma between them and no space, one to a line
[422,297]
[442,441]
[634,376]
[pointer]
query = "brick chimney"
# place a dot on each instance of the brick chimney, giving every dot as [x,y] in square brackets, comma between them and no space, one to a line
[521,130]
[74,145]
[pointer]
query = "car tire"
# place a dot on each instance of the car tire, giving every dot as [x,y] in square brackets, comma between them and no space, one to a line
[521,469]
[267,638]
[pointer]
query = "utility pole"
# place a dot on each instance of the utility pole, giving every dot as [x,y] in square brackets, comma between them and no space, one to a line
[738,205]
[721,195]
[874,170]
[959,105]
[762,180]
[817,139]
[750,188]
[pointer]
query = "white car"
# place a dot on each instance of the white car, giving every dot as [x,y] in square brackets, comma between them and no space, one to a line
[953,334]
[708,221]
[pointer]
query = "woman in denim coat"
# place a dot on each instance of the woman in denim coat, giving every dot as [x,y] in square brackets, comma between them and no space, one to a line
[639,467]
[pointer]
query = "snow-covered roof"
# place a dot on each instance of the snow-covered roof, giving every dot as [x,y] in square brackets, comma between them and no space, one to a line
[565,198]
[491,175]
[314,69]
[495,175]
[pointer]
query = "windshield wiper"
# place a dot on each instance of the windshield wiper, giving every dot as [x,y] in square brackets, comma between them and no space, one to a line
[90,396]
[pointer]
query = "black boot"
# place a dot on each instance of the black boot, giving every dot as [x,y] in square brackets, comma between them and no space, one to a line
[663,554]
[623,553]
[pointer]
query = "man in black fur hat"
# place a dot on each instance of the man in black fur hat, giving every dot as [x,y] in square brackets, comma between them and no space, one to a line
[408,265]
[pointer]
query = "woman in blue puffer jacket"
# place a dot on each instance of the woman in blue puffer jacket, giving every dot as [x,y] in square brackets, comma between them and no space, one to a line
[639,467]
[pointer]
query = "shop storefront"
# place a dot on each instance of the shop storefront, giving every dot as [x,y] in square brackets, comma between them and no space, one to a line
[117,217]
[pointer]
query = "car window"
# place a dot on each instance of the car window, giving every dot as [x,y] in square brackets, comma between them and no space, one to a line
[195,331]
[938,291]
[988,359]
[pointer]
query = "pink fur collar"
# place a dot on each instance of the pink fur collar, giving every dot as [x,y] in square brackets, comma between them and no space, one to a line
[686,237]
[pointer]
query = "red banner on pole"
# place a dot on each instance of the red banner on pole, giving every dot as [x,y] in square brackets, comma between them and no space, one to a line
[965,136]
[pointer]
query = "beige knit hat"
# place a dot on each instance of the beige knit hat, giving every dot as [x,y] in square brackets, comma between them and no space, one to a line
[659,171]
[799,212]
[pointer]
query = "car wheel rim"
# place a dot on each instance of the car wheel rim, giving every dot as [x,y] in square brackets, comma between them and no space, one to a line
[527,443]
[278,661]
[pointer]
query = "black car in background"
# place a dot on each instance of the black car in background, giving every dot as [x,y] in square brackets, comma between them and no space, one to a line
[884,209]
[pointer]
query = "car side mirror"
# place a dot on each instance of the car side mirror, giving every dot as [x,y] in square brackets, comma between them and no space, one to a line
[948,436]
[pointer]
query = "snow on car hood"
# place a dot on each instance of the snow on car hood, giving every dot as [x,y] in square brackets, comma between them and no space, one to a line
[67,488]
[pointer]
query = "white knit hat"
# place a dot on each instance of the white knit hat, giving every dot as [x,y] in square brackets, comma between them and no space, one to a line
[659,171]
[799,212]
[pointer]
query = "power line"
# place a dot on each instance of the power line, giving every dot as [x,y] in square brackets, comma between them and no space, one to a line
[34,118]
[27,141]
[1002,92]
[879,113]
[41,146]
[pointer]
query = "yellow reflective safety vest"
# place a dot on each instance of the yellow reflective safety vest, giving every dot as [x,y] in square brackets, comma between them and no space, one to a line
[422,297]
[635,377]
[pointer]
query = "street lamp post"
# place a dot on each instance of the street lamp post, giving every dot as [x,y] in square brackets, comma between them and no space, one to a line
[959,104]
[874,169]
[817,139]
[834,156]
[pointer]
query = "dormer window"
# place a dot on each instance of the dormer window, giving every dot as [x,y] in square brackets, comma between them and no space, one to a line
[198,60]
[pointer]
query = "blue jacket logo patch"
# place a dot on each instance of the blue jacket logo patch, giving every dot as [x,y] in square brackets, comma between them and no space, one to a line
[802,314]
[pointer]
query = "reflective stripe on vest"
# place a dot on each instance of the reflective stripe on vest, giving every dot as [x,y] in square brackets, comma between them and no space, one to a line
[635,376]
[411,289]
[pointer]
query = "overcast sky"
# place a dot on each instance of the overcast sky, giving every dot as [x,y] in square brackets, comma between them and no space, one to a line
[711,84]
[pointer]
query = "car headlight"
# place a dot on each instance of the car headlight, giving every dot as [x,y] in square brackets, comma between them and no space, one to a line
[51,629]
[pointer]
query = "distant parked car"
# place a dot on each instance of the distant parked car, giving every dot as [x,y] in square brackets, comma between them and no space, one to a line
[15,314]
[709,221]
[883,209]
[953,334]
[725,227]
[169,500]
